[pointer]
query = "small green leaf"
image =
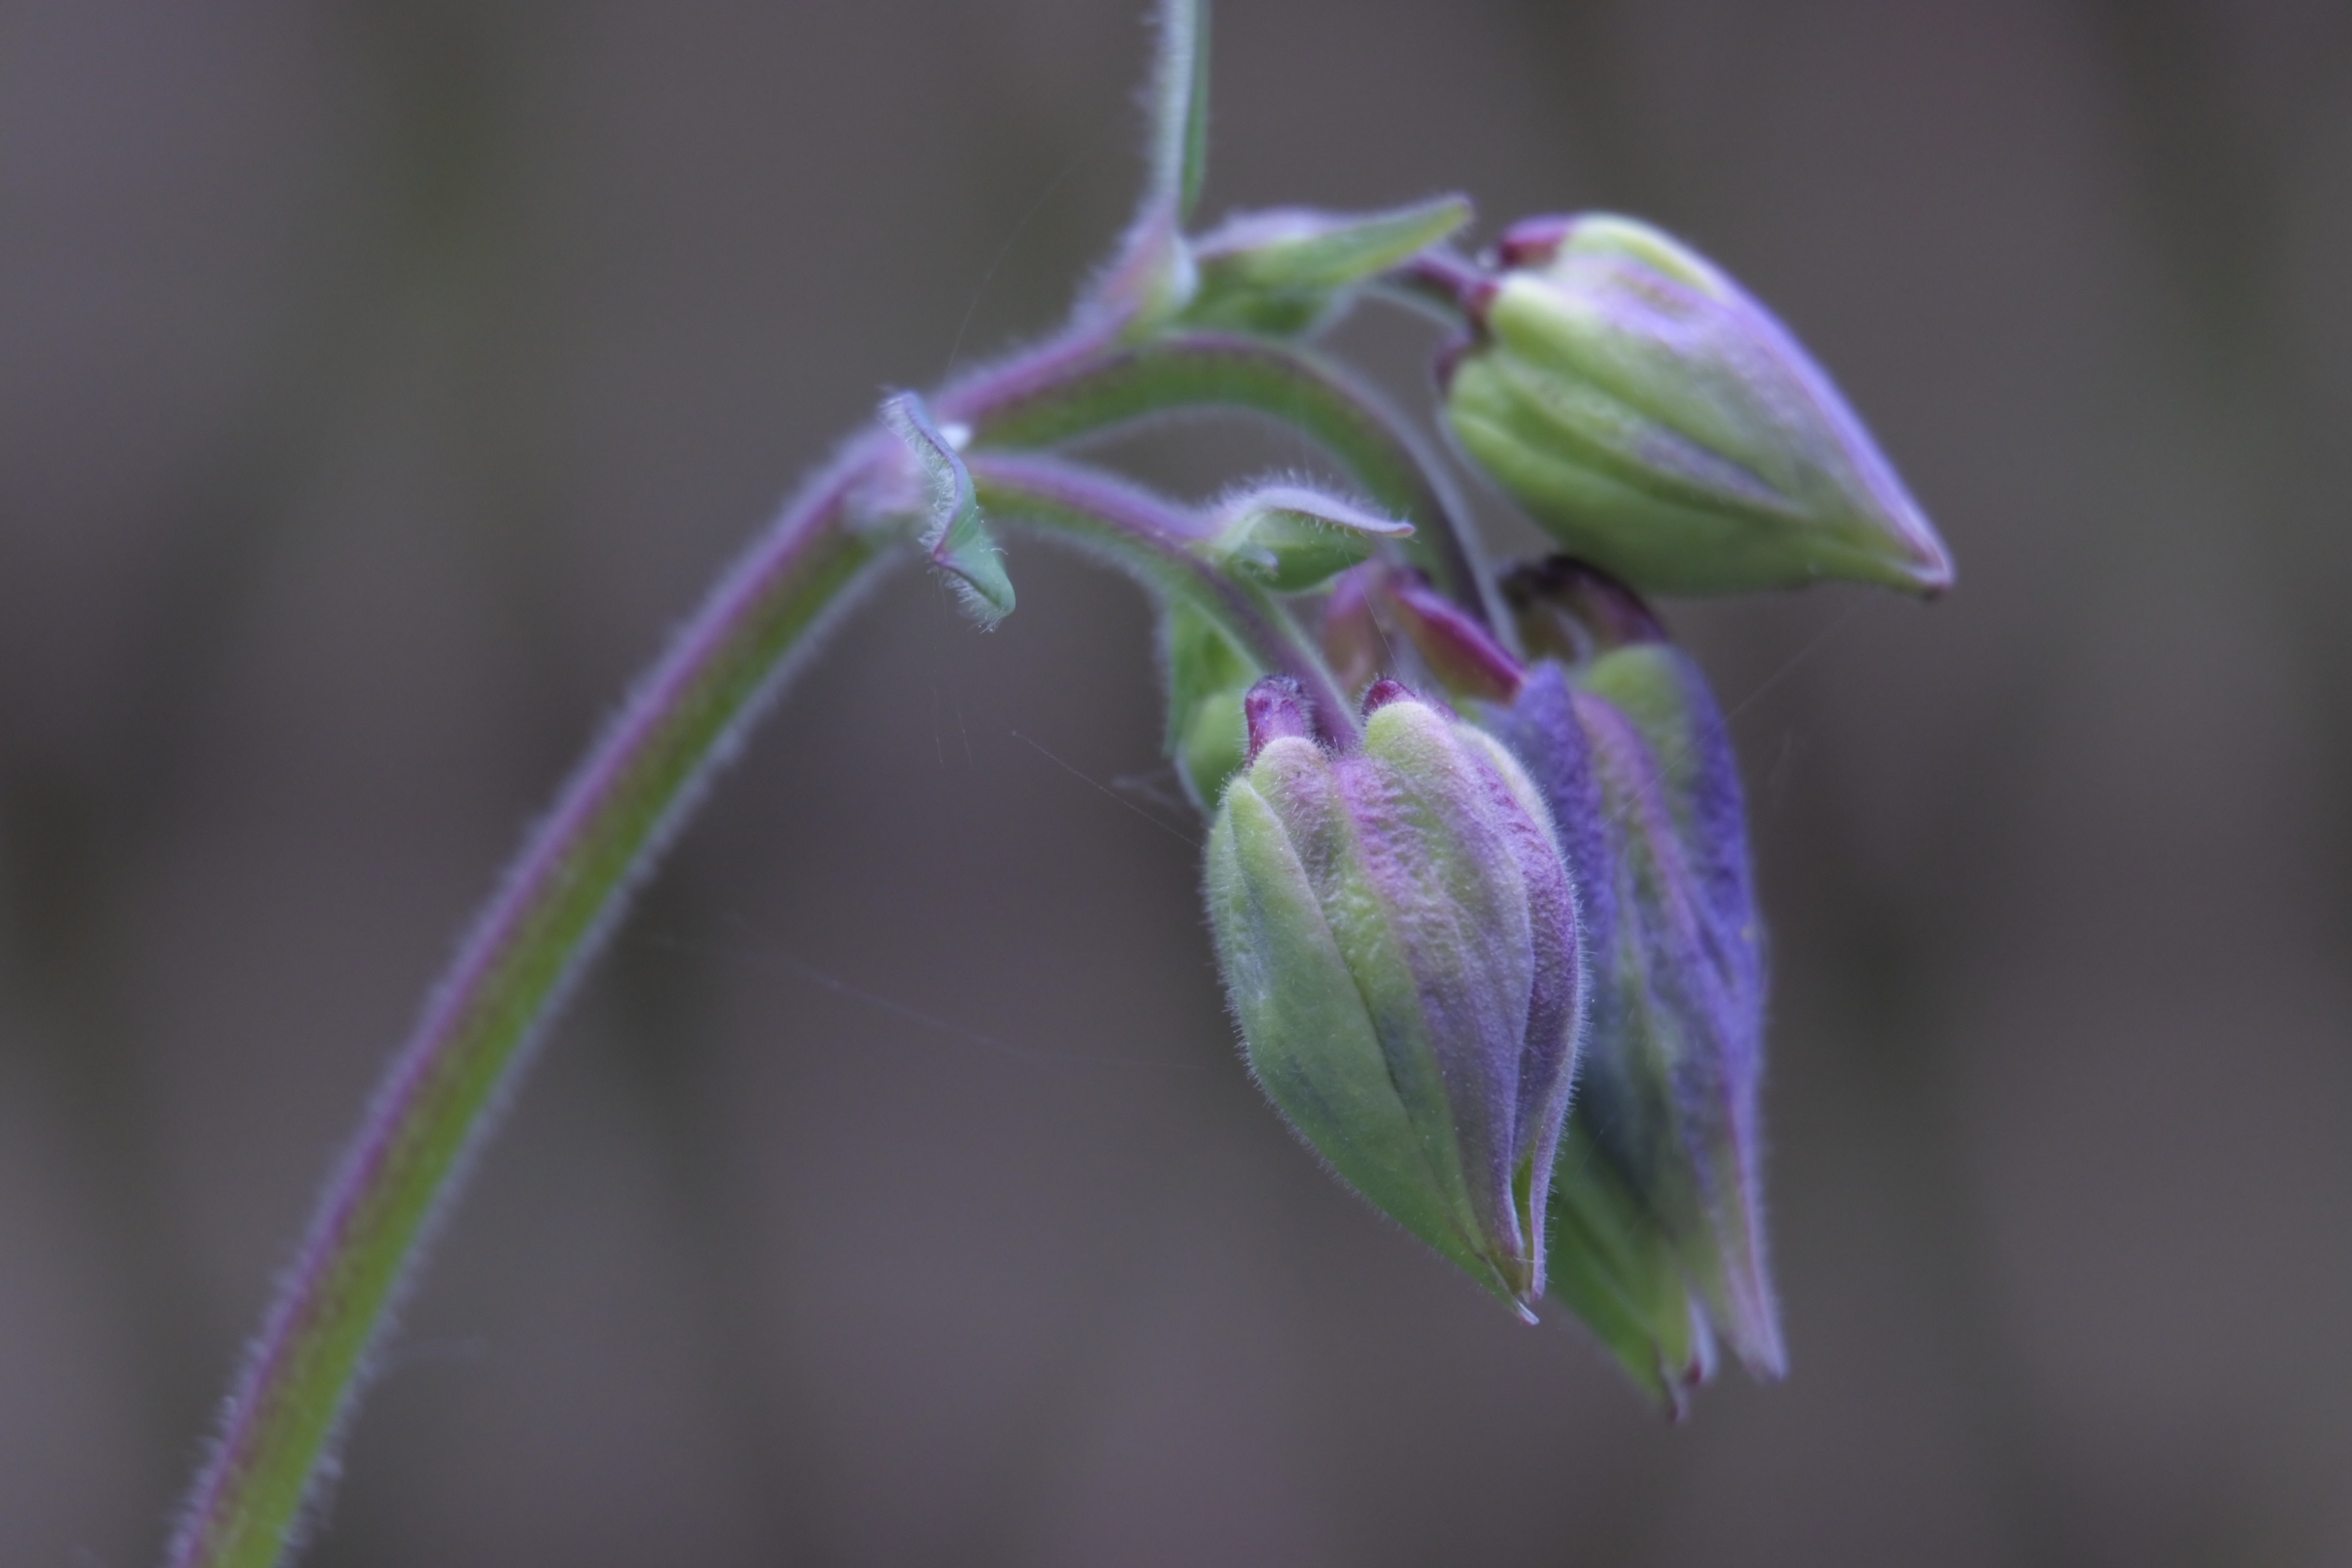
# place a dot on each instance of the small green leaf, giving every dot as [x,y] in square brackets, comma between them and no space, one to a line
[1289,272]
[1207,675]
[1293,539]
[957,537]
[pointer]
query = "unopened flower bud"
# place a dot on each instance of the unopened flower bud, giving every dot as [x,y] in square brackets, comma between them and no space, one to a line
[1659,422]
[1398,939]
[1658,1224]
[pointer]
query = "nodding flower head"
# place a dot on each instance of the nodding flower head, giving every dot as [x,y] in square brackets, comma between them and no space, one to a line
[1657,1234]
[1660,423]
[1398,938]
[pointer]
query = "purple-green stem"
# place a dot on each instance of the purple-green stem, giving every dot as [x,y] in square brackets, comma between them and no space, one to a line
[1063,396]
[1135,529]
[443,1091]
[443,1088]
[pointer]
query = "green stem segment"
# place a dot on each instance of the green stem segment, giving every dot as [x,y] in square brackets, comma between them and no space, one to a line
[443,1089]
[1350,420]
[1146,536]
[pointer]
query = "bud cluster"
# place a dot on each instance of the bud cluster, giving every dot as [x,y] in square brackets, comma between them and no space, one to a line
[1501,964]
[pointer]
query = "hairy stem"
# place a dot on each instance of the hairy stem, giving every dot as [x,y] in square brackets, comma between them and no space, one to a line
[443,1091]
[1147,535]
[1340,413]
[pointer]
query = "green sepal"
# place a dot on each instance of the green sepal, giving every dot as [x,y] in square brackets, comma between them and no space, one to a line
[1207,738]
[1291,539]
[1607,1262]
[1287,273]
[957,538]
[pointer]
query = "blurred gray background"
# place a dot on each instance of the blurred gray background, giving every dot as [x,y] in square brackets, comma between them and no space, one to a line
[380,380]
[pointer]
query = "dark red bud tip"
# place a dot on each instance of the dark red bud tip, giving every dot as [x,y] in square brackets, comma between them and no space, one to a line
[1385,692]
[1533,241]
[1274,708]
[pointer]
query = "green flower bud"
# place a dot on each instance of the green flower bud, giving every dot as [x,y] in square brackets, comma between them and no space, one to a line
[1661,423]
[1398,938]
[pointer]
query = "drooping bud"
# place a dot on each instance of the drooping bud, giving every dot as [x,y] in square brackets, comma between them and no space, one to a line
[1398,939]
[1658,1227]
[1661,423]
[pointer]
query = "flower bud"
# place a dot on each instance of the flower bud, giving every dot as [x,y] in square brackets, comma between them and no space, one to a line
[1663,424]
[1398,940]
[1657,1226]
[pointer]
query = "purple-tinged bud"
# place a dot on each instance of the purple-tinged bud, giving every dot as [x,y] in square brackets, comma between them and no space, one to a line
[1658,421]
[1657,1234]
[1398,939]
[1275,709]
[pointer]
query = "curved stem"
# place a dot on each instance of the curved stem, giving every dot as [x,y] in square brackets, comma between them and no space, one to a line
[1348,417]
[443,1091]
[1149,536]
[1441,284]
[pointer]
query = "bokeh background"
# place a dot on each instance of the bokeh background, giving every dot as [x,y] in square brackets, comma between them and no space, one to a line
[380,380]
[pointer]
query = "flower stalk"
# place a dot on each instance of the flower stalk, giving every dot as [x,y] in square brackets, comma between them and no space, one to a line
[1395,889]
[440,1097]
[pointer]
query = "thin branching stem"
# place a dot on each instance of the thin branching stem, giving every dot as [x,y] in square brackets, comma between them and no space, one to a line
[442,1092]
[1149,536]
[1329,404]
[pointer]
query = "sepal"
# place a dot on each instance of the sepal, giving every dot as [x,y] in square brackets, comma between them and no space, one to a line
[957,538]
[1291,539]
[1291,271]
